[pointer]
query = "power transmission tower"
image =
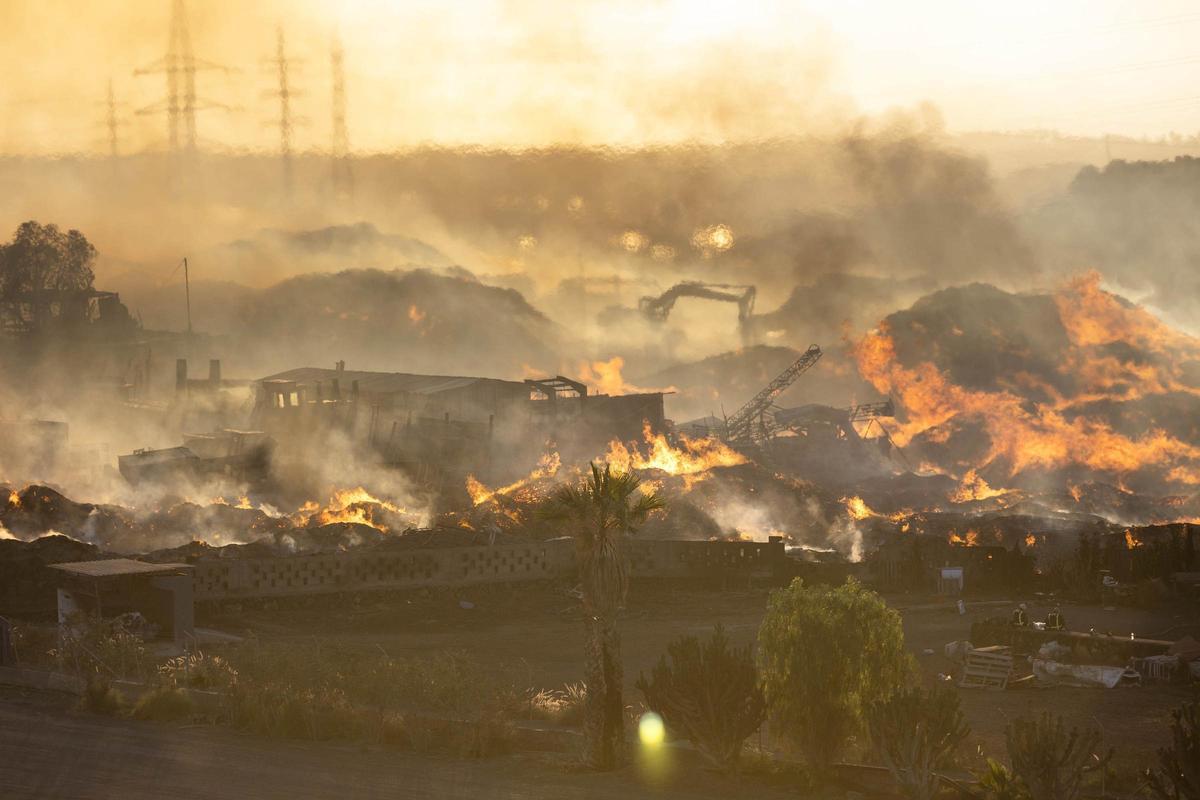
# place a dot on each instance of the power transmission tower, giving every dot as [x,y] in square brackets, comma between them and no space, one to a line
[180,65]
[112,122]
[339,151]
[284,93]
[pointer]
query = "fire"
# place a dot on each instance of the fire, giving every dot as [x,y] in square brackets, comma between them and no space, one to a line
[14,499]
[547,467]
[973,487]
[1076,492]
[356,506]
[970,540]
[606,377]
[243,502]
[1132,542]
[857,508]
[415,314]
[1056,431]
[693,456]
[1030,540]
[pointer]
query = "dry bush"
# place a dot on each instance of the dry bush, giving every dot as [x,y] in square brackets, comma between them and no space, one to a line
[88,646]
[916,732]
[198,670]
[560,706]
[1049,760]
[164,704]
[1178,776]
[446,701]
[100,697]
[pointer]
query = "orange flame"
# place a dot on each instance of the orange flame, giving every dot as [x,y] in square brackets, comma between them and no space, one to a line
[857,508]
[14,499]
[970,540]
[1131,541]
[693,456]
[973,487]
[1024,434]
[355,506]
[548,466]
[606,377]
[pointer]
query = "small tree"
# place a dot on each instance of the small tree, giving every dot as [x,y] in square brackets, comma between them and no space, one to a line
[42,260]
[709,693]
[1048,760]
[599,513]
[825,655]
[916,732]
[1178,777]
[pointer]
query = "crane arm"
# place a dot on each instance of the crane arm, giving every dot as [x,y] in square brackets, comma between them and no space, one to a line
[740,427]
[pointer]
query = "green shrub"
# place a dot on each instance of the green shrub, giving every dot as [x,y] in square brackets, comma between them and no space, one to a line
[1049,760]
[916,732]
[998,783]
[708,693]
[826,654]
[1178,776]
[165,704]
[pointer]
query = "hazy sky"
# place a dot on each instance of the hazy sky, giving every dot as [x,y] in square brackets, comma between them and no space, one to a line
[528,72]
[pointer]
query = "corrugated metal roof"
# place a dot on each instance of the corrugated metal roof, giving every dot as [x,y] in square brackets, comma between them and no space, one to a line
[385,382]
[113,567]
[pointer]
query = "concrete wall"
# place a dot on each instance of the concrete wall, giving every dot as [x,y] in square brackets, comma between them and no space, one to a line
[220,579]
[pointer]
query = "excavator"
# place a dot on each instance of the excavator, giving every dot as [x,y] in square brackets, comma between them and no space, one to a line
[659,308]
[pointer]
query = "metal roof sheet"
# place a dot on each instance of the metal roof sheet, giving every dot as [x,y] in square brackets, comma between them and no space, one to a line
[385,382]
[113,567]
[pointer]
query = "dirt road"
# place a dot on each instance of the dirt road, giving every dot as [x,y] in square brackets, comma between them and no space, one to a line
[50,752]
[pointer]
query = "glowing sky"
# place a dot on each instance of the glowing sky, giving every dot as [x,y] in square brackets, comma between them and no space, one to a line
[534,72]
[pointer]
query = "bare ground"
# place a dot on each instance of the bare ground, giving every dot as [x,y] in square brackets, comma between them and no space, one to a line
[540,626]
[49,751]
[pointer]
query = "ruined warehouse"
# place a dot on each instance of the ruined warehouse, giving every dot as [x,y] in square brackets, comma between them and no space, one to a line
[452,423]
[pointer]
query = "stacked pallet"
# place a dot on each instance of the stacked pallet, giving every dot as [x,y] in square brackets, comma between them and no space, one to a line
[987,667]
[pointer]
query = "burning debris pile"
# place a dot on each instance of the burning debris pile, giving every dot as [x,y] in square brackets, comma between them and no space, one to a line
[1031,391]
[712,492]
[351,517]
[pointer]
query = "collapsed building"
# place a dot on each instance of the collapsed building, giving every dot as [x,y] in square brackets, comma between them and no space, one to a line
[447,426]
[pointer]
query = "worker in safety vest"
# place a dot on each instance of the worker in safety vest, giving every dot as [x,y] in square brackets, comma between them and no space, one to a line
[1055,620]
[1019,618]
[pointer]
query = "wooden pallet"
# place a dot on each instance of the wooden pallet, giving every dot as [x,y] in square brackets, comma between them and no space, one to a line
[987,667]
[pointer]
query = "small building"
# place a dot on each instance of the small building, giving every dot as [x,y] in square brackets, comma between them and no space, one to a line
[160,593]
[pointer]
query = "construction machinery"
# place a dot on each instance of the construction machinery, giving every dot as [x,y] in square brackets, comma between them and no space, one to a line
[801,416]
[659,308]
[750,424]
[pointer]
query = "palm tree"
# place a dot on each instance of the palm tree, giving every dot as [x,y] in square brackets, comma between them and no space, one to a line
[600,512]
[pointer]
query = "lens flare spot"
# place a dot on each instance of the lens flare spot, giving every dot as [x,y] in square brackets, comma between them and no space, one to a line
[651,731]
